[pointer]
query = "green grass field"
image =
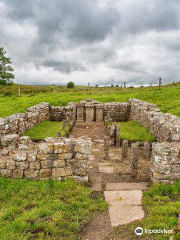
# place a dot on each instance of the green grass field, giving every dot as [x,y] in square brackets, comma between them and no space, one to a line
[45,129]
[44,209]
[135,132]
[167,99]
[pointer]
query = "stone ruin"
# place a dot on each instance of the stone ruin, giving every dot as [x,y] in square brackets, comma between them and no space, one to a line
[59,158]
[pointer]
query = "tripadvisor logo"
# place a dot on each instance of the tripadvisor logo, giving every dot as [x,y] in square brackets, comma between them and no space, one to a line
[139,231]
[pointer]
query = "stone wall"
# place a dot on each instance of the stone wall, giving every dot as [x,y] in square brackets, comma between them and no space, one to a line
[165,126]
[62,113]
[165,162]
[92,110]
[21,122]
[55,158]
[118,112]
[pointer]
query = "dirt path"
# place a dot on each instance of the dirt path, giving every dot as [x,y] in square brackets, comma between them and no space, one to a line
[113,170]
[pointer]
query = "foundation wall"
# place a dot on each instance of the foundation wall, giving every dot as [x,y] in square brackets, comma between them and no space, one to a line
[54,158]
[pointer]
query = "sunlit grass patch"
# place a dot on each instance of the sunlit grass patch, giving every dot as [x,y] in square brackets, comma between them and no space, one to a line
[134,131]
[45,129]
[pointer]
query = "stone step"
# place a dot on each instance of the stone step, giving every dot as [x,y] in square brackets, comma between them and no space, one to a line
[126,186]
[124,206]
[96,186]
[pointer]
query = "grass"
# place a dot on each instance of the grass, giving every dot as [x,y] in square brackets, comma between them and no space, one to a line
[45,129]
[162,204]
[44,209]
[167,99]
[135,132]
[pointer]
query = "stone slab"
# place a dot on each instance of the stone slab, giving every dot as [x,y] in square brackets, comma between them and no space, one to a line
[106,169]
[124,198]
[125,215]
[126,186]
[124,206]
[96,187]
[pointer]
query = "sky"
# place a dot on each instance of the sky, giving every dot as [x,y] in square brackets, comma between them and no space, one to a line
[103,42]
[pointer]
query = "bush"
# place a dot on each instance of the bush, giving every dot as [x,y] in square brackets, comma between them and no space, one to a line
[70,85]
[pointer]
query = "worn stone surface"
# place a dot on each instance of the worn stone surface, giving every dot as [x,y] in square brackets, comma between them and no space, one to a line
[124,206]
[126,186]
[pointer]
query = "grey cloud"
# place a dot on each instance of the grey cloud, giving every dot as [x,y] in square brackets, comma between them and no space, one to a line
[106,40]
[64,66]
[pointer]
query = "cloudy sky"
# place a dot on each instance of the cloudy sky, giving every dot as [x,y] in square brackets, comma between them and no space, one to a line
[97,41]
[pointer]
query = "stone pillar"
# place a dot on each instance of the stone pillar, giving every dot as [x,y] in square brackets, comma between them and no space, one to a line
[118,133]
[80,112]
[147,152]
[99,112]
[59,134]
[64,125]
[134,159]
[89,107]
[106,147]
[124,149]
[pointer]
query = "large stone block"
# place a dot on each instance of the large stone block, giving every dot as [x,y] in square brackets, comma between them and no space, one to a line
[31,173]
[10,141]
[18,173]
[45,173]
[45,148]
[20,156]
[61,172]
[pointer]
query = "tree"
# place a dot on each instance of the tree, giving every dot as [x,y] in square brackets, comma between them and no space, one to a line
[6,76]
[70,85]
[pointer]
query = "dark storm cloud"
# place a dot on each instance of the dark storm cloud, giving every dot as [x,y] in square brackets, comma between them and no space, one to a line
[98,40]
[64,66]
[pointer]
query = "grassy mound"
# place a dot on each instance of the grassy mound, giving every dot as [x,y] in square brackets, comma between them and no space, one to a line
[44,209]
[134,131]
[45,129]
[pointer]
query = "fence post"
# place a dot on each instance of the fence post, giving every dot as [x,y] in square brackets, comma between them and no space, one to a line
[160,83]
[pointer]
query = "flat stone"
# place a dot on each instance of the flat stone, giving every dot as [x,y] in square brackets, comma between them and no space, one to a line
[124,198]
[96,186]
[126,186]
[124,206]
[106,169]
[96,150]
[125,215]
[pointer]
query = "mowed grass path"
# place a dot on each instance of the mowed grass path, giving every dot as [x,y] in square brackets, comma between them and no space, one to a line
[134,131]
[167,99]
[44,209]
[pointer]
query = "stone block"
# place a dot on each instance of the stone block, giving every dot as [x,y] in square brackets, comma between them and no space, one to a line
[31,173]
[46,164]
[22,165]
[61,172]
[60,147]
[32,156]
[10,141]
[20,156]
[5,173]
[45,148]
[35,165]
[18,173]
[10,165]
[58,163]
[45,173]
